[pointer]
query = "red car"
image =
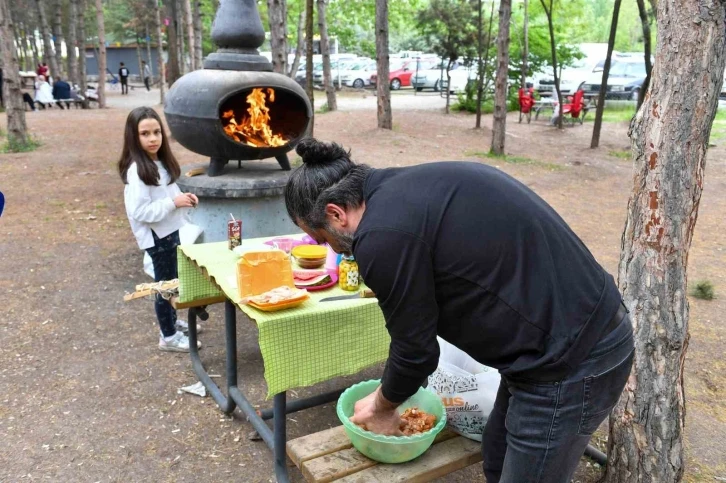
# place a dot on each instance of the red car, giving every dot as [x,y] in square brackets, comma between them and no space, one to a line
[400,72]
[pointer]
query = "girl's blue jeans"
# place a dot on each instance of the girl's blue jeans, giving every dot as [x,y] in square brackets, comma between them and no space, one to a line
[163,256]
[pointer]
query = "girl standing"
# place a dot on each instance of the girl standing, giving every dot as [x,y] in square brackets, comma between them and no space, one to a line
[153,205]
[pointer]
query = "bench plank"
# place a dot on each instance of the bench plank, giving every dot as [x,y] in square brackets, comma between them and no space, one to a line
[441,459]
[328,455]
[334,466]
[318,444]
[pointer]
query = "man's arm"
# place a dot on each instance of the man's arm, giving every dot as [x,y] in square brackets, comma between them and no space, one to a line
[398,267]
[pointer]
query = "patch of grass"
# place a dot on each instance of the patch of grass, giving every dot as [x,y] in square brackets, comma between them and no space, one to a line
[514,160]
[297,162]
[718,130]
[100,206]
[323,109]
[15,146]
[620,154]
[720,115]
[703,290]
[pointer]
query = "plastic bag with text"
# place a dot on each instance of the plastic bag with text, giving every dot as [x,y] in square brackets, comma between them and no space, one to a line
[467,389]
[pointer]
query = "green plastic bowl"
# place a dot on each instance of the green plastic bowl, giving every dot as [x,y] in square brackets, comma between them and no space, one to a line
[390,449]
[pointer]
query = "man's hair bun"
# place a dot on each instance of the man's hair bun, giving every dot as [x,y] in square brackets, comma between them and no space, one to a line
[314,152]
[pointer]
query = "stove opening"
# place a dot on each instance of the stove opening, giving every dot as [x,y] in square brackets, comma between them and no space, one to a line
[263,117]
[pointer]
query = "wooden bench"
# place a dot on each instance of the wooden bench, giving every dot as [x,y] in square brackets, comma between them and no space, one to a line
[329,456]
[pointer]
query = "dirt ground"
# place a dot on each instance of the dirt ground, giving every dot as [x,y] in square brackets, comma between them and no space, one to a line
[85,395]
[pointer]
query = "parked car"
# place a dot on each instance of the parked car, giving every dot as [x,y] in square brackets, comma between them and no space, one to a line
[337,70]
[460,78]
[571,77]
[430,74]
[399,74]
[624,81]
[359,76]
[301,73]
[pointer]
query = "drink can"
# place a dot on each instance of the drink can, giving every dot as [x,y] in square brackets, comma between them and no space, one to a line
[234,233]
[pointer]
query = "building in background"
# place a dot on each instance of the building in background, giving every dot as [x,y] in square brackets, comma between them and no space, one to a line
[128,54]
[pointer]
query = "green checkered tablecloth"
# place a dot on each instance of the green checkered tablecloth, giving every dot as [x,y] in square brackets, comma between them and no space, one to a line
[302,346]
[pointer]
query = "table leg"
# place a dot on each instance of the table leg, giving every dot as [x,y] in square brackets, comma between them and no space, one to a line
[225,403]
[280,420]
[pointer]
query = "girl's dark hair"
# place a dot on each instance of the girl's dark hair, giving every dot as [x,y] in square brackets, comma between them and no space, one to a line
[134,153]
[327,176]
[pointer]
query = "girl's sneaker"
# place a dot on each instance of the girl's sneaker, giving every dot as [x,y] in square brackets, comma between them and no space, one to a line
[183,326]
[176,343]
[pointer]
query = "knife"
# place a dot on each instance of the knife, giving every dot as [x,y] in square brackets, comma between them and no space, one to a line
[365,294]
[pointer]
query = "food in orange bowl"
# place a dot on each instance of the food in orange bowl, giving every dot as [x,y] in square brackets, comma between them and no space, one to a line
[310,256]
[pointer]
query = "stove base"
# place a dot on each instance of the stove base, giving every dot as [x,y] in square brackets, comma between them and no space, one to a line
[253,193]
[216,165]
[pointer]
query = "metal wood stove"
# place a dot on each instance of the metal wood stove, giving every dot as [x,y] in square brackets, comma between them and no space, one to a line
[236,108]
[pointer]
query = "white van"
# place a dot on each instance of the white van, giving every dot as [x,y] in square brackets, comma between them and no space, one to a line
[571,78]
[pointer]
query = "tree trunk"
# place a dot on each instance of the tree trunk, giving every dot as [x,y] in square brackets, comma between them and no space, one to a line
[669,138]
[383,87]
[19,47]
[189,30]
[139,57]
[48,52]
[81,22]
[101,55]
[300,44]
[58,36]
[179,26]
[525,45]
[553,51]
[172,44]
[73,42]
[499,127]
[159,50]
[25,46]
[148,51]
[12,95]
[448,85]
[34,48]
[595,142]
[309,59]
[277,16]
[325,50]
[645,22]
[480,67]
[197,20]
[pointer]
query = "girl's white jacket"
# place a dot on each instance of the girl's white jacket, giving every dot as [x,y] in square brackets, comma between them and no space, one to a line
[152,207]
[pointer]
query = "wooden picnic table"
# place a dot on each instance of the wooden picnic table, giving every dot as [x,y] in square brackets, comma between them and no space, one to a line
[300,346]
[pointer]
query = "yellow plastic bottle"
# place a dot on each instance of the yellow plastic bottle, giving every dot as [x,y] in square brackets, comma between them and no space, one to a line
[348,276]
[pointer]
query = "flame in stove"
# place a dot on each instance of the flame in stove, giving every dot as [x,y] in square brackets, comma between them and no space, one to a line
[254,128]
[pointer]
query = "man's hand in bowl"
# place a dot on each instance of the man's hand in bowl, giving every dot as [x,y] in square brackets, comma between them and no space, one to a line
[377,415]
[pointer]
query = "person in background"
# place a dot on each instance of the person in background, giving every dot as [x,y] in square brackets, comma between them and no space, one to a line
[123,74]
[147,75]
[62,92]
[467,253]
[28,99]
[154,205]
[43,93]
[2,103]
[43,70]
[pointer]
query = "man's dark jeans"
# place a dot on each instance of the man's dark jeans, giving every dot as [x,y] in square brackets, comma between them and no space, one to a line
[537,432]
[147,83]
[124,85]
[163,256]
